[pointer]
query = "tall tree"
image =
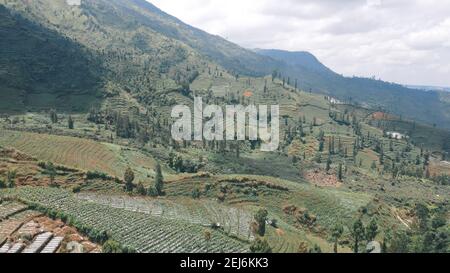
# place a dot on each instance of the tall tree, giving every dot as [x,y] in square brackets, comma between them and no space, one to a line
[11,178]
[128,178]
[329,163]
[260,219]
[159,180]
[70,123]
[337,232]
[357,233]
[372,230]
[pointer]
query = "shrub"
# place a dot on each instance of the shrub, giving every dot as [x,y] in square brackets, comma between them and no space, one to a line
[152,191]
[76,189]
[196,193]
[260,246]
[260,219]
[111,246]
[128,178]
[140,189]
[96,175]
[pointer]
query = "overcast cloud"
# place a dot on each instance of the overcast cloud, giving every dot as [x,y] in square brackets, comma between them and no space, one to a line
[404,41]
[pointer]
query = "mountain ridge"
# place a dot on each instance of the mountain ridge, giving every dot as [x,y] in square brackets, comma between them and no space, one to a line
[139,29]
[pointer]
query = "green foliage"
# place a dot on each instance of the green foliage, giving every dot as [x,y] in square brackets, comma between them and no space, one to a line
[260,246]
[196,193]
[372,230]
[129,178]
[10,178]
[53,116]
[140,189]
[159,180]
[422,213]
[358,234]
[315,250]
[70,123]
[442,180]
[3,185]
[260,219]
[111,246]
[340,172]
[97,175]
[336,234]
[152,191]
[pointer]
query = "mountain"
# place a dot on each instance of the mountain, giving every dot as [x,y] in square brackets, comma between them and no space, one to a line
[86,143]
[430,107]
[429,88]
[39,67]
[132,46]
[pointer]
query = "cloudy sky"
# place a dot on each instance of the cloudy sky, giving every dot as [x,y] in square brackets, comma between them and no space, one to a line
[404,41]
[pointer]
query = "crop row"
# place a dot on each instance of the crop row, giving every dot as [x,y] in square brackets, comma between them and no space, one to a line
[143,232]
[234,221]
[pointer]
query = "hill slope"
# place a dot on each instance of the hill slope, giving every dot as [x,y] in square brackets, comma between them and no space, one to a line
[40,68]
[142,49]
[422,106]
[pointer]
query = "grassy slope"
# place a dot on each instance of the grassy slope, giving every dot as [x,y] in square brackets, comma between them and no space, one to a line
[81,153]
[40,69]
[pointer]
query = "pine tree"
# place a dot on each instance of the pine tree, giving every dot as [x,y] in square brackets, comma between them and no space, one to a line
[260,219]
[340,174]
[70,123]
[53,116]
[128,178]
[357,233]
[141,189]
[321,144]
[159,180]
[10,179]
[328,164]
[337,232]
[260,246]
[373,166]
[372,230]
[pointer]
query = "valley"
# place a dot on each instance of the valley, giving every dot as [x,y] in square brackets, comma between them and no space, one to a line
[87,156]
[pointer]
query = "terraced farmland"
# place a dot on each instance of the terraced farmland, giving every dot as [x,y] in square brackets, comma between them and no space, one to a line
[143,232]
[10,208]
[234,221]
[79,153]
[330,205]
[13,222]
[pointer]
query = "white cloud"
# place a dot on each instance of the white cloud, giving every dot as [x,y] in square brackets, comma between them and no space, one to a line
[405,41]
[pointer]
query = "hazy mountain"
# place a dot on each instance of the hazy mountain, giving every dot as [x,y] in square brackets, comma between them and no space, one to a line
[131,45]
[428,107]
[429,88]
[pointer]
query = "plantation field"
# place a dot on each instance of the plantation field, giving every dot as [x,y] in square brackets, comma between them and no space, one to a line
[10,208]
[143,232]
[80,153]
[13,222]
[234,220]
[330,205]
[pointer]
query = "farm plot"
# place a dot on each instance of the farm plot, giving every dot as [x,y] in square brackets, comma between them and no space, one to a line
[8,226]
[143,232]
[158,208]
[233,221]
[331,206]
[10,208]
[80,153]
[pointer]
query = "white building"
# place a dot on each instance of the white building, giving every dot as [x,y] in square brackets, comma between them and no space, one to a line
[396,135]
[73,2]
